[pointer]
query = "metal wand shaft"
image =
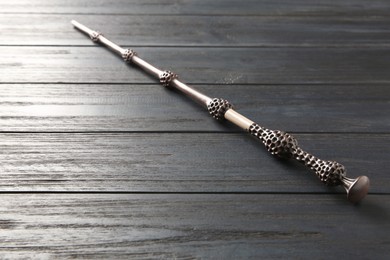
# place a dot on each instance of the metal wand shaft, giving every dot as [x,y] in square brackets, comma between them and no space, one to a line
[278,143]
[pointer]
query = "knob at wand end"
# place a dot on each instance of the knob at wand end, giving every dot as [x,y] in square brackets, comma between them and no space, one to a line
[357,188]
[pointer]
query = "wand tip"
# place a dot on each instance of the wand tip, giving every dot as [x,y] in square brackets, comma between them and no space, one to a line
[81,27]
[74,22]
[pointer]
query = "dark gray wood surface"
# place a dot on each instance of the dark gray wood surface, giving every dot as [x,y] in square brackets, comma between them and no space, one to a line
[210,30]
[178,162]
[330,108]
[200,7]
[99,161]
[199,65]
[185,226]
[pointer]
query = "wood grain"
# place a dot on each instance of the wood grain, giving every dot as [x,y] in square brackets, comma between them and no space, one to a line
[189,226]
[123,107]
[200,7]
[98,161]
[195,31]
[178,162]
[198,65]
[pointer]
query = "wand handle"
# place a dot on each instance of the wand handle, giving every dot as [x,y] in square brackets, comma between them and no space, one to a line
[278,143]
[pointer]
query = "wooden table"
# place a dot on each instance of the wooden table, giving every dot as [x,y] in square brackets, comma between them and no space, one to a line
[99,161]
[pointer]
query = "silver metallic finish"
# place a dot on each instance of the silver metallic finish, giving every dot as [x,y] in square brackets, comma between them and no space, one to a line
[331,173]
[111,45]
[238,119]
[218,107]
[166,77]
[283,145]
[191,93]
[82,27]
[278,143]
[98,37]
[128,55]
[95,36]
[146,66]
[356,188]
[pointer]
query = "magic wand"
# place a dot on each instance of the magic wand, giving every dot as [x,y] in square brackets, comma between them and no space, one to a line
[278,143]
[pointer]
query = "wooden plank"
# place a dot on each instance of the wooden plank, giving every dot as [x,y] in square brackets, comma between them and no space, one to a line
[177,162]
[198,65]
[294,108]
[176,30]
[192,226]
[200,7]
